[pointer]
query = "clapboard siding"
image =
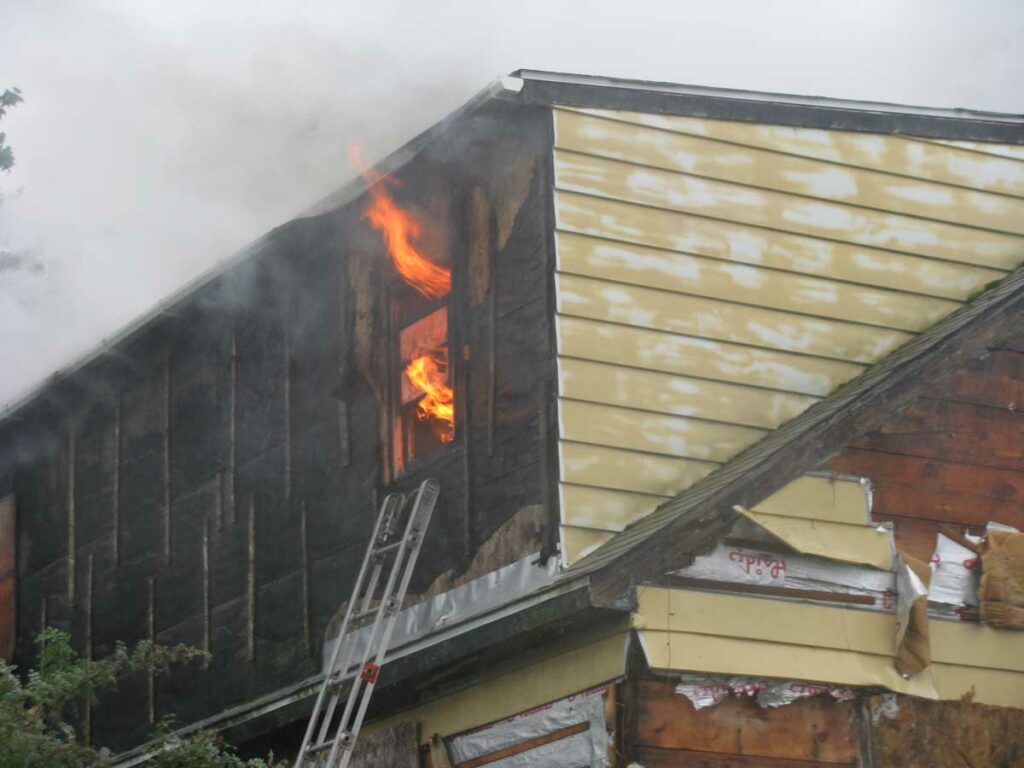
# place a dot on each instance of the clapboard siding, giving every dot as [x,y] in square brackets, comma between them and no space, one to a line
[957,163]
[797,175]
[687,233]
[606,342]
[715,279]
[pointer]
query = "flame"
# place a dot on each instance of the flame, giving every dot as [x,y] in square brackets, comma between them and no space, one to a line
[427,372]
[400,229]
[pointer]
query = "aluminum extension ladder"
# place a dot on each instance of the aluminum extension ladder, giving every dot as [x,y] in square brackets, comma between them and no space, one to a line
[330,740]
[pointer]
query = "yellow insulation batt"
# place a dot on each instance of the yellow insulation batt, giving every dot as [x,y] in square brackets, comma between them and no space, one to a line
[1002,580]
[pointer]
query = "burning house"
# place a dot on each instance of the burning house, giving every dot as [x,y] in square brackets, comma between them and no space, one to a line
[722,391]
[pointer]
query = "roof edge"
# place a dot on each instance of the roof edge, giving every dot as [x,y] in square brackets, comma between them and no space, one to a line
[560,89]
[502,87]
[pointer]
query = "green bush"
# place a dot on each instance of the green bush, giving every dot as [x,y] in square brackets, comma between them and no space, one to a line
[38,709]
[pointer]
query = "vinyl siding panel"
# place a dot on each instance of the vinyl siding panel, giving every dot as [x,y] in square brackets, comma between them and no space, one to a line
[817,217]
[732,634]
[715,279]
[955,163]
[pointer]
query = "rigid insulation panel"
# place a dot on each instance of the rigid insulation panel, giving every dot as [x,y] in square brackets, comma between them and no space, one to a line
[714,279]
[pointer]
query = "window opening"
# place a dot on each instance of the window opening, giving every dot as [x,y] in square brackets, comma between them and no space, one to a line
[423,397]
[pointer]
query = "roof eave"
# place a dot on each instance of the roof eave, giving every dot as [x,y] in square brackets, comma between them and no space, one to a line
[556,89]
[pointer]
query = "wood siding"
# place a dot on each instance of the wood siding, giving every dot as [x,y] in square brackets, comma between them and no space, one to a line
[714,279]
[954,457]
[737,733]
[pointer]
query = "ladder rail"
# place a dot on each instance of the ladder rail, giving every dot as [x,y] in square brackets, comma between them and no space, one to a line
[362,689]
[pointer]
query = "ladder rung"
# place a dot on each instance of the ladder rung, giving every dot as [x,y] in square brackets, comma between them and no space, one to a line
[323,746]
[387,547]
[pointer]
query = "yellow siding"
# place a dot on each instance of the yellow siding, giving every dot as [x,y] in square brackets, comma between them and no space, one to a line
[826,499]
[653,432]
[861,544]
[683,651]
[627,470]
[816,217]
[529,682]
[732,634]
[746,284]
[946,162]
[715,279]
[687,233]
[624,345]
[577,543]
[766,169]
[723,321]
[679,395]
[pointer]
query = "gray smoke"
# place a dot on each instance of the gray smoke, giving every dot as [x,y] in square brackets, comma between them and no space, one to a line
[157,138]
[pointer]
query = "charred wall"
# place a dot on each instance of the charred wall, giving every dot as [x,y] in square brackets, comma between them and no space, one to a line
[213,478]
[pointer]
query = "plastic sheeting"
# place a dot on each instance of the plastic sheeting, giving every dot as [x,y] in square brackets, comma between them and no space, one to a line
[704,691]
[738,565]
[955,574]
[586,749]
[455,606]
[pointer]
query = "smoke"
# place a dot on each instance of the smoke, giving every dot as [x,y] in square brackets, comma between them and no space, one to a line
[157,138]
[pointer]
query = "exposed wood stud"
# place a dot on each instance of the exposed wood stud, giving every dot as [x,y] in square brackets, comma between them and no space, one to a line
[492,345]
[344,333]
[287,404]
[72,544]
[307,633]
[865,745]
[344,444]
[250,583]
[460,338]
[218,502]
[88,602]
[88,650]
[117,485]
[206,586]
[229,507]
[548,409]
[166,522]
[151,636]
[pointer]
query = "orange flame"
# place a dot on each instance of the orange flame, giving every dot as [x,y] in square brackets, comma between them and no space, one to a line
[427,372]
[400,228]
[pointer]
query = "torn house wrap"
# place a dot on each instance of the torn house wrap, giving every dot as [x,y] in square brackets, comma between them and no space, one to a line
[706,691]
[741,565]
[955,574]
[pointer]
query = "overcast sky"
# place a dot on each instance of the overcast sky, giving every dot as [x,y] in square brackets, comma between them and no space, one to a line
[158,137]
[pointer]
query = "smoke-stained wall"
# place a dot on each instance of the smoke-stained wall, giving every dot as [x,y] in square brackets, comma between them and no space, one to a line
[213,478]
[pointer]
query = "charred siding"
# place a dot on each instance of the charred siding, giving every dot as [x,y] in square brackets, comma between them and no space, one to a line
[232,452]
